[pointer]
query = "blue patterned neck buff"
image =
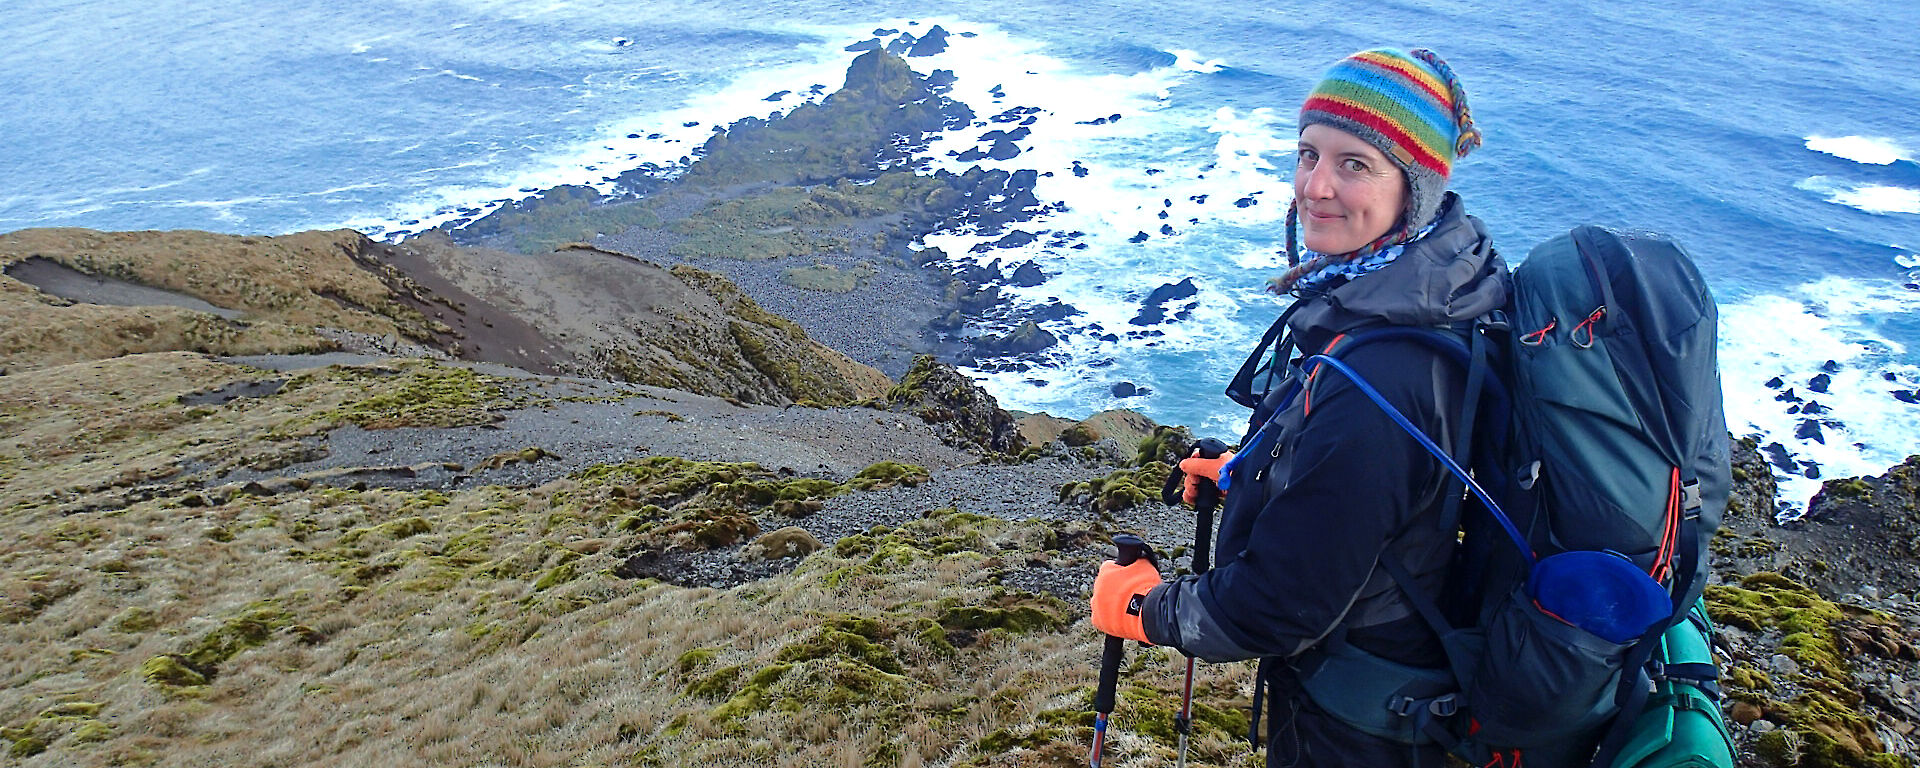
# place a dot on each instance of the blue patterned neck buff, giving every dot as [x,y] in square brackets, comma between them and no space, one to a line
[1317,280]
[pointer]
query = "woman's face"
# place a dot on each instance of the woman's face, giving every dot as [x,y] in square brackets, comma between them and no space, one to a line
[1349,193]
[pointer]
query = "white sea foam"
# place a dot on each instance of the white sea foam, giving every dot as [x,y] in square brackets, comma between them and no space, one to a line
[1211,171]
[1792,337]
[1861,149]
[664,138]
[1872,198]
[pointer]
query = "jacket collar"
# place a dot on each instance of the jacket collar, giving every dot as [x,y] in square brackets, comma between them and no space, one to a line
[1452,274]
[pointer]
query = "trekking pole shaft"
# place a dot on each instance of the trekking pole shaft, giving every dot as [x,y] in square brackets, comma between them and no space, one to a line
[1202,541]
[1131,549]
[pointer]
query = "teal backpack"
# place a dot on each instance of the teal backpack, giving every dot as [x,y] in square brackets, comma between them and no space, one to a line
[1597,474]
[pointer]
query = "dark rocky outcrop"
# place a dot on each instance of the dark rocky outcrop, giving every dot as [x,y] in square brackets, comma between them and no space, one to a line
[1024,340]
[1153,309]
[1871,524]
[966,415]
[929,44]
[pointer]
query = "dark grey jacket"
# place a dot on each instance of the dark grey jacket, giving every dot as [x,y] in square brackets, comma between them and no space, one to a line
[1304,524]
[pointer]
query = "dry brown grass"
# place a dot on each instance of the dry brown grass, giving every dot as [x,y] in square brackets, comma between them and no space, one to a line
[334,635]
[286,285]
[79,436]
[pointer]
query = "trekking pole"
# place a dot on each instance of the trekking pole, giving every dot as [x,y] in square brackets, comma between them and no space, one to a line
[1131,548]
[1207,501]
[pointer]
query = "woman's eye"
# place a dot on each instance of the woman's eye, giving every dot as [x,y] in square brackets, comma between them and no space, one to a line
[1355,165]
[1307,156]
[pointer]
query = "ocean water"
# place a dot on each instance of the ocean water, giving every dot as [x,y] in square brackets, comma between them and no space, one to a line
[1777,141]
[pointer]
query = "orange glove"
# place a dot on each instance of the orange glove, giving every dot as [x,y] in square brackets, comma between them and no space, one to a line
[1198,468]
[1117,593]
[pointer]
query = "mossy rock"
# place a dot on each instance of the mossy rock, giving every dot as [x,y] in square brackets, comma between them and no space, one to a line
[393,530]
[753,696]
[887,474]
[837,682]
[425,395]
[557,575]
[170,671]
[709,529]
[136,620]
[934,637]
[1122,489]
[829,642]
[695,659]
[75,718]
[791,541]
[249,629]
[1770,601]
[1167,445]
[720,682]
[942,532]
[1079,435]
[1003,740]
[1832,734]
[1016,612]
[26,746]
[1019,619]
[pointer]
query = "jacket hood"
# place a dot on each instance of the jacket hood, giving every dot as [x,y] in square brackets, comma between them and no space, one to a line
[1452,274]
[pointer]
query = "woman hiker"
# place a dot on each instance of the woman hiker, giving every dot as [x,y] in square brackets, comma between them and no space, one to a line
[1305,524]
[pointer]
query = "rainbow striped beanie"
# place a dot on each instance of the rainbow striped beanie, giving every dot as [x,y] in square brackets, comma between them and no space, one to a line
[1409,106]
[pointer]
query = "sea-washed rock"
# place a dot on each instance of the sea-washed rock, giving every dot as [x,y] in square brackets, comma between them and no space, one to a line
[1153,308]
[1024,340]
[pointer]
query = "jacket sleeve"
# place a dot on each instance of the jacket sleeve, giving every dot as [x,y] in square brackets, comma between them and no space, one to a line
[1355,478]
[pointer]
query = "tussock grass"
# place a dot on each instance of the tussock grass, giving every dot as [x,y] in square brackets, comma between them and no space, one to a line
[366,657]
[327,626]
[88,435]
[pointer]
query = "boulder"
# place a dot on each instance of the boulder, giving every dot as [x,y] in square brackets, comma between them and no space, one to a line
[791,541]
[960,411]
[1026,275]
[929,44]
[1153,309]
[1025,340]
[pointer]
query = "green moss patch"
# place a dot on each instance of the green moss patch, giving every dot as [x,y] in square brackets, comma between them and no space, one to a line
[829,642]
[1150,712]
[1769,601]
[423,394]
[1167,445]
[826,278]
[171,671]
[1824,723]
[943,532]
[1122,489]
[250,628]
[1017,612]
[75,719]
[887,474]
[675,501]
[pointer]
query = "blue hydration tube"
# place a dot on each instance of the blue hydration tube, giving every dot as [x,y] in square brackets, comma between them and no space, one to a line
[1259,439]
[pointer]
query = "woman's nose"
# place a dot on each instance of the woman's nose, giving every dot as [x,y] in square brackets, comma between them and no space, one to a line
[1318,186]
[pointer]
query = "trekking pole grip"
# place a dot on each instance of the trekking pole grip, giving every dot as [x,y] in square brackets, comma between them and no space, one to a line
[1132,548]
[1204,506]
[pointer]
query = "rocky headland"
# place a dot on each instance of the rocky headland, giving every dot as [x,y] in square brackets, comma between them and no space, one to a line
[679,474]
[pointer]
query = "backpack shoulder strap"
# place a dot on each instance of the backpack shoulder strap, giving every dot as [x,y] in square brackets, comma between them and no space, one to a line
[1241,388]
